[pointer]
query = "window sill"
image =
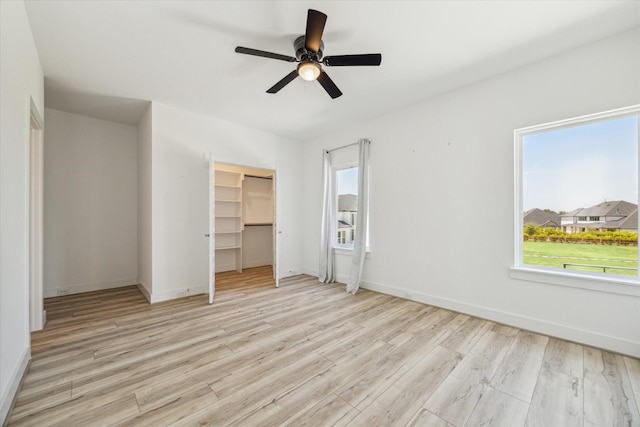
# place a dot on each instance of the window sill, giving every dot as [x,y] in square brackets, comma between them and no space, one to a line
[345,250]
[594,282]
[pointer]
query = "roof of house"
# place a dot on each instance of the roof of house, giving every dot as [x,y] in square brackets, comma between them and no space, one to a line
[347,203]
[630,222]
[542,218]
[613,208]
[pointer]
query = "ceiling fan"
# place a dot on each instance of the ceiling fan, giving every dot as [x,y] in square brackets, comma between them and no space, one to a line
[309,49]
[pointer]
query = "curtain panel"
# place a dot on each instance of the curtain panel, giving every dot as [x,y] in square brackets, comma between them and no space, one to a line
[360,240]
[326,270]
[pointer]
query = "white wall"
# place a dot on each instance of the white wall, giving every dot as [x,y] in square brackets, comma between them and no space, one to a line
[180,193]
[257,207]
[257,246]
[145,237]
[442,202]
[90,204]
[21,80]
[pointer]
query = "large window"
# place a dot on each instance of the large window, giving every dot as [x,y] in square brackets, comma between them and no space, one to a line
[577,196]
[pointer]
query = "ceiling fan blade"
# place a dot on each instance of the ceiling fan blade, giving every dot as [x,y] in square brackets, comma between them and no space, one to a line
[256,52]
[353,60]
[329,85]
[315,27]
[282,83]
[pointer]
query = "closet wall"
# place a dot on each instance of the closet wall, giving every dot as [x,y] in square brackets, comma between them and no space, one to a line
[257,214]
[90,204]
[244,212]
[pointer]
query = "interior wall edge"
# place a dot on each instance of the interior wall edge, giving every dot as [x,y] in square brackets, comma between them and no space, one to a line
[143,290]
[15,381]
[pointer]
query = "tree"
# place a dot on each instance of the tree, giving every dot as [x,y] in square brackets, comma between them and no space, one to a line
[531,229]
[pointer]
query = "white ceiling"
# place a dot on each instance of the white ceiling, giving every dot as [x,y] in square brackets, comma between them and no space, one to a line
[107,59]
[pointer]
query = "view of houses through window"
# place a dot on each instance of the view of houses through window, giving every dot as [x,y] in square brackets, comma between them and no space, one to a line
[580,196]
[347,192]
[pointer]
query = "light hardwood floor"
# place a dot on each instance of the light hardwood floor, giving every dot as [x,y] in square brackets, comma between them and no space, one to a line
[308,354]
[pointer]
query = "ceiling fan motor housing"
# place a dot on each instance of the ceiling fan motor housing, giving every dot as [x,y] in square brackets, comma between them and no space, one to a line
[302,53]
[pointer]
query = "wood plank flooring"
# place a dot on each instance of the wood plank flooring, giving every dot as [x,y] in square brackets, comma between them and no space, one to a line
[308,354]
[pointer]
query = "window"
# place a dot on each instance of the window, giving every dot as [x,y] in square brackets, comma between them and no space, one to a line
[573,173]
[346,193]
[346,180]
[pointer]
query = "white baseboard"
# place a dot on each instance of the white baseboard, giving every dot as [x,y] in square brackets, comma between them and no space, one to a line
[619,345]
[143,289]
[310,271]
[88,287]
[155,297]
[256,263]
[9,394]
[289,273]
[227,267]
[177,293]
[339,278]
[544,327]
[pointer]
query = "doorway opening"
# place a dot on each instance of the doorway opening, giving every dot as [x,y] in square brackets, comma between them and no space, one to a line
[243,234]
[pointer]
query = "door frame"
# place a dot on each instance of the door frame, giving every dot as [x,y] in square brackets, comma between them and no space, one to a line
[37,315]
[273,173]
[212,228]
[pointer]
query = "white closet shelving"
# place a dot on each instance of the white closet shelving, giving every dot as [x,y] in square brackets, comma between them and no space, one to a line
[244,212]
[228,225]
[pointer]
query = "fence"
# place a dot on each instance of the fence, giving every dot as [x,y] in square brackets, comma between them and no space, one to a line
[603,267]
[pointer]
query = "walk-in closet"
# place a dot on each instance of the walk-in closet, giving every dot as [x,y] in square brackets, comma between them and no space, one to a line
[244,218]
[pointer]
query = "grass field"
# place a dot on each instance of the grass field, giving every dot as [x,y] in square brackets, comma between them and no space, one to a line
[556,254]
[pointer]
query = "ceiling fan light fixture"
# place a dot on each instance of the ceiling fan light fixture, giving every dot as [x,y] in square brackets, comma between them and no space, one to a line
[309,70]
[309,49]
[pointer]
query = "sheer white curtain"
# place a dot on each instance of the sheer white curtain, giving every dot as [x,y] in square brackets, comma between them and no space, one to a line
[360,240]
[326,270]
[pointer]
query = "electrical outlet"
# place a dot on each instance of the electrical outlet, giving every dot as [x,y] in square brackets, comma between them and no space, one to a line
[181,294]
[61,292]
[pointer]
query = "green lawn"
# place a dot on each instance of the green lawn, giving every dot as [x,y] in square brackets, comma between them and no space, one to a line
[556,254]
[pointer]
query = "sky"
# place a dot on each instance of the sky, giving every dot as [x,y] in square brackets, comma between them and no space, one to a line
[348,181]
[581,166]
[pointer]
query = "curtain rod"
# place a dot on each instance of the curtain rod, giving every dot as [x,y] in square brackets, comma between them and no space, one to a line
[344,146]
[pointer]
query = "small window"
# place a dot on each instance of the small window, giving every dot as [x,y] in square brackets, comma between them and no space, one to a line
[583,175]
[347,204]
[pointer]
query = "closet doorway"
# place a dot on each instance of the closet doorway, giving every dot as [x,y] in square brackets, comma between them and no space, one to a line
[243,231]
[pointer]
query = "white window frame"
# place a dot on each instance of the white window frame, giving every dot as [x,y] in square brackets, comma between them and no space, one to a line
[619,284]
[336,169]
[340,248]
